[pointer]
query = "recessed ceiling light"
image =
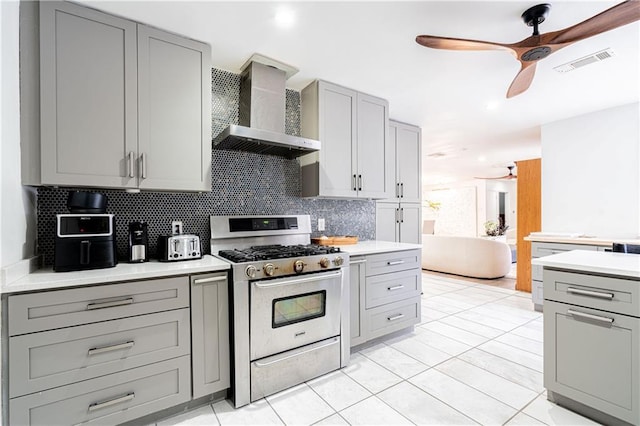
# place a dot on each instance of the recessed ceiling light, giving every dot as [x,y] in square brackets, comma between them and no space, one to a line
[482,158]
[285,17]
[492,105]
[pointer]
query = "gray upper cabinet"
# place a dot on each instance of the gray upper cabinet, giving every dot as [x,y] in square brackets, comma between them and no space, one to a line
[174,86]
[405,162]
[88,86]
[121,105]
[353,130]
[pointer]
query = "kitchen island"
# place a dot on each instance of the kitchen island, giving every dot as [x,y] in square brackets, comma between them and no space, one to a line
[592,333]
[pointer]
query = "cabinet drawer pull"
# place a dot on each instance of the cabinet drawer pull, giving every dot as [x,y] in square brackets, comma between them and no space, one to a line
[397,287]
[396,317]
[395,262]
[103,349]
[209,280]
[111,304]
[598,294]
[131,161]
[606,320]
[114,401]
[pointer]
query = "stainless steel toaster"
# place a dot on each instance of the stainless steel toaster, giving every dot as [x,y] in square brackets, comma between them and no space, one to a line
[178,247]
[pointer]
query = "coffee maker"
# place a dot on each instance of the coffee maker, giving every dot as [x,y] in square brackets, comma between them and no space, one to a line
[138,242]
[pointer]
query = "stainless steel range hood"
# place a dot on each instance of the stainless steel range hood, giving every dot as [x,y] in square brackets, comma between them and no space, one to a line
[262,113]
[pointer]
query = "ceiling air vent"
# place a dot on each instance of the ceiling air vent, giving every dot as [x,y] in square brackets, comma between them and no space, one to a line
[590,59]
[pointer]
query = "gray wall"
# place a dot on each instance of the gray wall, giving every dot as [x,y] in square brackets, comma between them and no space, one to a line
[242,183]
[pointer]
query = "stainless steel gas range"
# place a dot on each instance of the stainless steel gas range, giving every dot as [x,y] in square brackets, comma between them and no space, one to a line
[290,303]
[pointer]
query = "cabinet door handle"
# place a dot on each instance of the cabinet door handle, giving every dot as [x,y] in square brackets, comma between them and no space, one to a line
[396,287]
[598,294]
[143,160]
[401,214]
[353,183]
[110,402]
[103,349]
[402,190]
[111,304]
[578,314]
[359,182]
[395,317]
[209,280]
[130,162]
[395,262]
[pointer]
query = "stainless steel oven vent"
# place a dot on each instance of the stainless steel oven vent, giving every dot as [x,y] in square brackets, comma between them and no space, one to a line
[262,113]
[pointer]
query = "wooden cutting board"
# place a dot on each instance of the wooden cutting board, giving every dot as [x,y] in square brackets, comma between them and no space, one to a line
[335,240]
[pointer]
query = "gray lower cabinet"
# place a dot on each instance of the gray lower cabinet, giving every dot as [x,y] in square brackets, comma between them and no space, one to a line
[120,105]
[357,279]
[111,353]
[591,349]
[210,333]
[389,300]
[542,249]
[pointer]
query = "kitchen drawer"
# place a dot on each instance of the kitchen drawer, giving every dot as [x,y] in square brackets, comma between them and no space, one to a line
[48,310]
[392,317]
[546,249]
[93,350]
[604,293]
[592,357]
[392,262]
[387,288]
[111,399]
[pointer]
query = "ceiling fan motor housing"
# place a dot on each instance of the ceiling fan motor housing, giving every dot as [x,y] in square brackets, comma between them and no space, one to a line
[536,53]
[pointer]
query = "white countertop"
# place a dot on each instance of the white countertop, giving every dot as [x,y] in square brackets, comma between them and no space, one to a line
[620,264]
[373,246]
[44,279]
[594,241]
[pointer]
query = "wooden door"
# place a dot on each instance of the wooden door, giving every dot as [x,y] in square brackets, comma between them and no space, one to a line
[529,217]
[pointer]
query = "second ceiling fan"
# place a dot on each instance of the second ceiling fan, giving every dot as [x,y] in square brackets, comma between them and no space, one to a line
[538,46]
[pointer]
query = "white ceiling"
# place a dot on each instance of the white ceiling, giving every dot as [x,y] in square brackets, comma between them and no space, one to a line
[370,46]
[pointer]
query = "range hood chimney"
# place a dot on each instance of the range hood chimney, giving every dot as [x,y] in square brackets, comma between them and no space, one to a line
[262,113]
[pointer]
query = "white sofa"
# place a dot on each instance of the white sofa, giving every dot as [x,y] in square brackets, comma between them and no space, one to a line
[468,256]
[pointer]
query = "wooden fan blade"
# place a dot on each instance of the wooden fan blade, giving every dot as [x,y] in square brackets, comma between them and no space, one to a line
[436,42]
[617,16]
[523,79]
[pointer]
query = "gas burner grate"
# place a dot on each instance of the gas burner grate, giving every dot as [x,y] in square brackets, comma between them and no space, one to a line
[275,251]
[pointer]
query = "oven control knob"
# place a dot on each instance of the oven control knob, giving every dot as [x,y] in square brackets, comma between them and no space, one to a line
[324,262]
[338,261]
[269,269]
[250,271]
[298,266]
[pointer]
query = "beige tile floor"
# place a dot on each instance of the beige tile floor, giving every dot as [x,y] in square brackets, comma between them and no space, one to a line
[476,358]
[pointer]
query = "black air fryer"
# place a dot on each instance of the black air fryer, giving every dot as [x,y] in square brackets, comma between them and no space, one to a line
[86,237]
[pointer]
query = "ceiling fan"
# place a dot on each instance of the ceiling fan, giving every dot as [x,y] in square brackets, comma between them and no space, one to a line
[538,46]
[507,177]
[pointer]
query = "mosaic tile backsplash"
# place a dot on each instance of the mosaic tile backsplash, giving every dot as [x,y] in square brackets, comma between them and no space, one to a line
[242,183]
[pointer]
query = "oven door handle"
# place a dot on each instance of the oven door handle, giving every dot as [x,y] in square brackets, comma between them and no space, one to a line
[269,284]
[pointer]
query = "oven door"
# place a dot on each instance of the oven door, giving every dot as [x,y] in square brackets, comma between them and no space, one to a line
[287,313]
